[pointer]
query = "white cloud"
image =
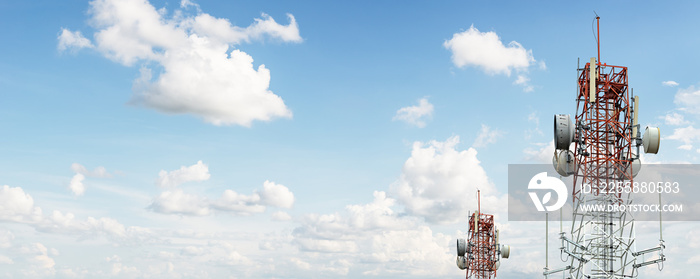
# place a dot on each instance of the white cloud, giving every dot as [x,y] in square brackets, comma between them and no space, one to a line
[415,115]
[276,195]
[177,202]
[72,40]
[6,238]
[686,147]
[439,182]
[189,65]
[18,206]
[674,119]
[670,83]
[374,240]
[542,153]
[485,50]
[281,216]
[5,260]
[688,100]
[524,81]
[76,184]
[222,30]
[240,204]
[487,136]
[99,172]
[40,264]
[687,135]
[196,172]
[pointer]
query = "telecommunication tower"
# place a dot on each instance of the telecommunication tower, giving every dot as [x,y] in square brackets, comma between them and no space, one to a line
[606,142]
[480,254]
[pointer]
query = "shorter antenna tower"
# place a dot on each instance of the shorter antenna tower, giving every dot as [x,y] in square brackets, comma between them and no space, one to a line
[480,254]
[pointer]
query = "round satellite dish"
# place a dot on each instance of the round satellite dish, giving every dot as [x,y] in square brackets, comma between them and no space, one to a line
[564,162]
[563,131]
[461,247]
[505,251]
[461,262]
[624,169]
[651,140]
[636,165]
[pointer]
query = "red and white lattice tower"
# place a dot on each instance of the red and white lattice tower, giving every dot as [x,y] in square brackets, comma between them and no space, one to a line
[606,140]
[480,254]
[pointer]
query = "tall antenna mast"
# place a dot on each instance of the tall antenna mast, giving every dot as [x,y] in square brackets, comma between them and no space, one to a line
[607,144]
[597,18]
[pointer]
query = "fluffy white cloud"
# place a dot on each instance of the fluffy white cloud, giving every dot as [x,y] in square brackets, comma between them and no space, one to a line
[72,40]
[196,172]
[415,115]
[542,153]
[487,136]
[685,147]
[99,172]
[221,29]
[276,195]
[674,119]
[42,258]
[439,182]
[374,240]
[524,81]
[38,258]
[18,206]
[688,100]
[670,83]
[189,66]
[76,184]
[239,204]
[485,50]
[176,201]
[687,135]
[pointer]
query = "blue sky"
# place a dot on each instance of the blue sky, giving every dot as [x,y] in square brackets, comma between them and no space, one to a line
[371,134]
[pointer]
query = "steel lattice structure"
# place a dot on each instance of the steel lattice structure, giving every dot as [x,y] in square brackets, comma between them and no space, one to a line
[606,142]
[482,242]
[602,242]
[480,254]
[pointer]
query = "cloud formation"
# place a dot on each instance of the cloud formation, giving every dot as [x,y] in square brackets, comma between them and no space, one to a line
[688,100]
[487,136]
[171,179]
[188,64]
[176,201]
[69,40]
[18,207]
[670,83]
[439,182]
[76,183]
[370,237]
[486,51]
[415,115]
